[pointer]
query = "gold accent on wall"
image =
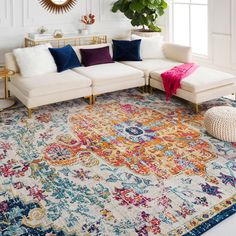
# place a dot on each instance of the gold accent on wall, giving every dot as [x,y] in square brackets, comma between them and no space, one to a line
[53,6]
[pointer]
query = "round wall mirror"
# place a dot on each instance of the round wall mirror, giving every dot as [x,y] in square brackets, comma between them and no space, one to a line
[59,2]
[58,6]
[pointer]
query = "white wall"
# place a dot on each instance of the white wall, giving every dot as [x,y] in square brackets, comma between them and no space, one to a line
[18,17]
[222,35]
[233,28]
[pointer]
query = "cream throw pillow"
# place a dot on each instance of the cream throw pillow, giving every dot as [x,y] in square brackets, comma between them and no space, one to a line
[35,60]
[151,47]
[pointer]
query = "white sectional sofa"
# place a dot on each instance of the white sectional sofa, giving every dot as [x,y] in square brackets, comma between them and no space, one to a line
[204,85]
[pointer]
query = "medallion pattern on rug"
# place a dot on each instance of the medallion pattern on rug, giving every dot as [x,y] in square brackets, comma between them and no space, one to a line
[141,139]
[132,164]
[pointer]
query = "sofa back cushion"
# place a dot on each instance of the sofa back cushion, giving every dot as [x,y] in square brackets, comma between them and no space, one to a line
[177,52]
[96,56]
[125,50]
[65,58]
[35,61]
[92,46]
[151,47]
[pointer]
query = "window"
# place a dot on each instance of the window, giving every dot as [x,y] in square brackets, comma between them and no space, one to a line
[189,24]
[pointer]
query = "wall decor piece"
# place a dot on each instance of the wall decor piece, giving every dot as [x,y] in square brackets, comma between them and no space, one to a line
[58,6]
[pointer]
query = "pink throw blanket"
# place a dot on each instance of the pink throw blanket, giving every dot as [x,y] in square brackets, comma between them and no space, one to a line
[172,78]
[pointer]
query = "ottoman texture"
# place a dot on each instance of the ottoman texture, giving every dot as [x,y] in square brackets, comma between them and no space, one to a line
[220,122]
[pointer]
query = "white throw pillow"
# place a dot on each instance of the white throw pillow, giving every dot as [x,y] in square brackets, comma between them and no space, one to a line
[151,47]
[35,60]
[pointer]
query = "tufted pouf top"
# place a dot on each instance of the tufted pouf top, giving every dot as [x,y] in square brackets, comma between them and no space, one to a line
[220,122]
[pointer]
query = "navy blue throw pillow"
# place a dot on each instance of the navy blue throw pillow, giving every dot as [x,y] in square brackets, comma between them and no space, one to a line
[125,50]
[65,58]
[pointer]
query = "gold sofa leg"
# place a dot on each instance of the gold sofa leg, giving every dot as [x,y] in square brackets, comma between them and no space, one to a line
[147,87]
[196,106]
[151,90]
[144,89]
[94,99]
[91,100]
[30,111]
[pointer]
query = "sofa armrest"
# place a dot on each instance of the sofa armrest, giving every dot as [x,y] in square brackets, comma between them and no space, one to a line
[177,52]
[10,62]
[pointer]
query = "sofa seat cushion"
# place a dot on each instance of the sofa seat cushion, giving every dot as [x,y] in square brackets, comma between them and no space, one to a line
[50,83]
[149,65]
[109,73]
[201,80]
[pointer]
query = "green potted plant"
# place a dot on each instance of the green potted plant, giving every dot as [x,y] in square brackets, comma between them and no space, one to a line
[143,13]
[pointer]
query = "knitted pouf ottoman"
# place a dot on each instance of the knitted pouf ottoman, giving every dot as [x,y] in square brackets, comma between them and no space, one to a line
[220,122]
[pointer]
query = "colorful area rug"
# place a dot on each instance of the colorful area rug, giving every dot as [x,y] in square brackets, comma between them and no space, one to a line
[132,164]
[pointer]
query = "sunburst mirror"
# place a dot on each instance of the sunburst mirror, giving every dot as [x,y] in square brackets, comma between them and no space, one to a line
[58,6]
